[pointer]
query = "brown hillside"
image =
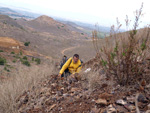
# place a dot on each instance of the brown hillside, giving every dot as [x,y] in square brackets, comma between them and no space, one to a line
[45,24]
[50,42]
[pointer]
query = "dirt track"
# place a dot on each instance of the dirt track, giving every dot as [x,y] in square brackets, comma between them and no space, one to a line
[70,48]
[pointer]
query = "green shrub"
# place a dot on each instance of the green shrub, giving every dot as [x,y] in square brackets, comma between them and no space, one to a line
[25,58]
[20,53]
[2,61]
[32,58]
[12,52]
[6,69]
[26,43]
[1,51]
[25,62]
[14,61]
[38,61]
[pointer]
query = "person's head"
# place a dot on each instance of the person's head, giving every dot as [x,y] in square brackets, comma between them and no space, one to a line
[65,56]
[75,58]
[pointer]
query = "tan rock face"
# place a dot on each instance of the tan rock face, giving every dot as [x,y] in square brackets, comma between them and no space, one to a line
[9,42]
[101,101]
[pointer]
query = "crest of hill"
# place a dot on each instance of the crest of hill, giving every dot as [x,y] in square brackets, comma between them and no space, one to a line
[45,19]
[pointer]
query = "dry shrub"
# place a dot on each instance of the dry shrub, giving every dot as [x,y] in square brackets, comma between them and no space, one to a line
[123,54]
[94,79]
[24,79]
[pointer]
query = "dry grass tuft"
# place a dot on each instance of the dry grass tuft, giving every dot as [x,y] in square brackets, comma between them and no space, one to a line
[12,88]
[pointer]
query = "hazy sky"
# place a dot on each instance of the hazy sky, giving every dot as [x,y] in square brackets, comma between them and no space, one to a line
[102,11]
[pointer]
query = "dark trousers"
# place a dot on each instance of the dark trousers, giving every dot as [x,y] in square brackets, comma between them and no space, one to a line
[66,73]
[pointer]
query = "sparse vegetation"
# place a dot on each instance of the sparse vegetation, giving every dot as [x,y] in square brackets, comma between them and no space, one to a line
[12,52]
[20,53]
[4,22]
[25,58]
[1,51]
[26,43]
[38,61]
[14,61]
[25,62]
[32,58]
[2,61]
[6,69]
[16,56]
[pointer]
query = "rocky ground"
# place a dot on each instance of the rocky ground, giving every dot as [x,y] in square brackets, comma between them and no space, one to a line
[53,95]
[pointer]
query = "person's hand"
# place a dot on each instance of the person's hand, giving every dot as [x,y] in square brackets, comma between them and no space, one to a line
[59,75]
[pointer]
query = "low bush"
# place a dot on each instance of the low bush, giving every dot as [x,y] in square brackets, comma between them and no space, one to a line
[25,58]
[25,62]
[38,61]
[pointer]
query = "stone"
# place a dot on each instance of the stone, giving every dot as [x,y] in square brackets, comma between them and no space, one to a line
[148,106]
[87,70]
[106,96]
[131,100]
[111,109]
[142,98]
[74,89]
[95,110]
[52,106]
[66,95]
[121,102]
[148,111]
[132,107]
[101,101]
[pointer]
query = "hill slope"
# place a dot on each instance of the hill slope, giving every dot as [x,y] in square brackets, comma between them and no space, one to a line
[46,36]
[45,24]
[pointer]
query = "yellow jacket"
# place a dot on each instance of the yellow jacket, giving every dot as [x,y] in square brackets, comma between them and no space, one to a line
[73,68]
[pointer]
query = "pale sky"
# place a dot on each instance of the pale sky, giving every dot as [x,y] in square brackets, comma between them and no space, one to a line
[103,12]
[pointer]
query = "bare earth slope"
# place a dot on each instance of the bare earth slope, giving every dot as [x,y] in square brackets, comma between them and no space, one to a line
[50,40]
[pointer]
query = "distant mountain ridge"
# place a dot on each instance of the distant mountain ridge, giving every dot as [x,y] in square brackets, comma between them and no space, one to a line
[16,13]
